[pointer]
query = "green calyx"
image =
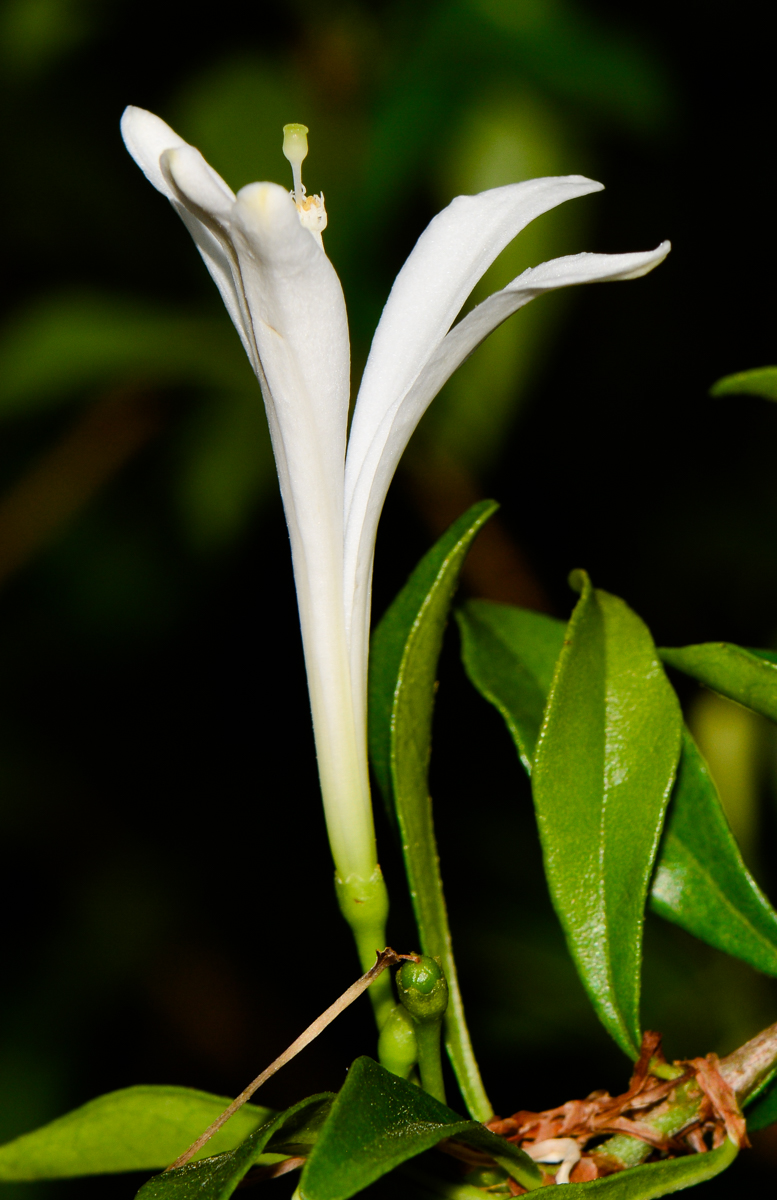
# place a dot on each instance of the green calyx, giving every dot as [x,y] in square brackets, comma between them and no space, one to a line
[423,989]
[364,904]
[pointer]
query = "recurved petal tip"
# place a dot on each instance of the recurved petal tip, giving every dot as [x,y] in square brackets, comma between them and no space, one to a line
[198,184]
[146,136]
[644,262]
[590,268]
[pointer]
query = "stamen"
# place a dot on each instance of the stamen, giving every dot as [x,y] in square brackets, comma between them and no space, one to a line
[312,213]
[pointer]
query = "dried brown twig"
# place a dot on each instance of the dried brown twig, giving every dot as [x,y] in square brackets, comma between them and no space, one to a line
[698,1089]
[386,958]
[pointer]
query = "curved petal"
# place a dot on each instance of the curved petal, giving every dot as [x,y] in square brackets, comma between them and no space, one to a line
[449,258]
[299,323]
[285,299]
[200,197]
[191,179]
[393,434]
[146,136]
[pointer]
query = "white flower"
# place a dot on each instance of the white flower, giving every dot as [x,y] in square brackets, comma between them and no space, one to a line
[265,254]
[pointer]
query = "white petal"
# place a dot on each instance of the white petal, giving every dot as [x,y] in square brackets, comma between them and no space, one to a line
[449,258]
[287,304]
[477,325]
[391,438]
[300,326]
[146,136]
[299,321]
[201,199]
[194,181]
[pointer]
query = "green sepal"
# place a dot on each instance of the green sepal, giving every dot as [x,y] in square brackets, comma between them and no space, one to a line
[652,1180]
[747,676]
[761,381]
[291,1133]
[702,883]
[379,1121]
[403,667]
[600,798]
[141,1128]
[510,655]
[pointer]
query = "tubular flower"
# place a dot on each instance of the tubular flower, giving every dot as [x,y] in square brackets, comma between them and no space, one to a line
[264,250]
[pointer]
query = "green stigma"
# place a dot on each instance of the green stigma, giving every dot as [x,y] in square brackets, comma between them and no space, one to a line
[295,149]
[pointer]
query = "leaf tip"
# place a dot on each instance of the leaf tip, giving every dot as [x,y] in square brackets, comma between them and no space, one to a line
[578,580]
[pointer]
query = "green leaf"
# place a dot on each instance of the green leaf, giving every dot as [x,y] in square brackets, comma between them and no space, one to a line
[701,883]
[403,666]
[759,382]
[510,655]
[603,771]
[764,1109]
[291,1133]
[659,1179]
[379,1121]
[747,676]
[136,1129]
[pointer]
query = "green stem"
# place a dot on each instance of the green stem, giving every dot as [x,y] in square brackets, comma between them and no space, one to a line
[746,1070]
[397,1044]
[669,1119]
[428,1037]
[364,904]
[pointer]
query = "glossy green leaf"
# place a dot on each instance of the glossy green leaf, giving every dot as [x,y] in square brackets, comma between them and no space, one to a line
[603,771]
[702,883]
[403,667]
[289,1134]
[510,655]
[747,676]
[762,381]
[379,1121]
[135,1129]
[652,1180]
[763,1111]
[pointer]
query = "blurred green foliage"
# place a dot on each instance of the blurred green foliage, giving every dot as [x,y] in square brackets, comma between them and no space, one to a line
[148,643]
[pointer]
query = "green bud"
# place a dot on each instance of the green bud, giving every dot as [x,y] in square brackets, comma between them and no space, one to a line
[488,1177]
[397,1045]
[577,580]
[423,989]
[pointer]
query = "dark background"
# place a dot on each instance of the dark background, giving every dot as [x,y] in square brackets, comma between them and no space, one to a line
[166,887]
